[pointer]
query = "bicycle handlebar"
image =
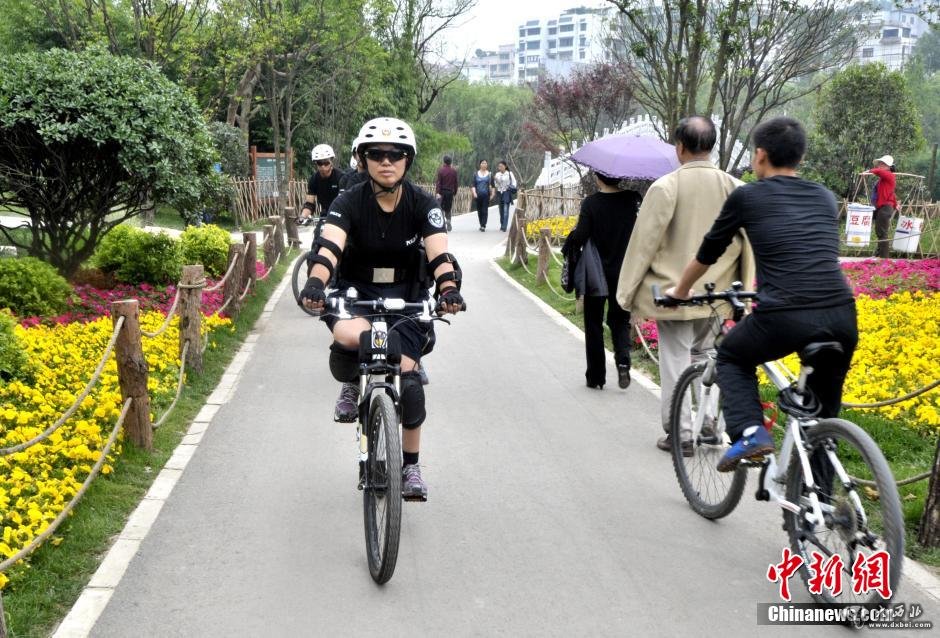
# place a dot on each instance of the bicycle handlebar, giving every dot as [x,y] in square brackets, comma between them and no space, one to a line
[421,310]
[736,295]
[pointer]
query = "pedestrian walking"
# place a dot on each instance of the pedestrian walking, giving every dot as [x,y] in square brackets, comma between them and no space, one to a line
[445,187]
[482,190]
[504,182]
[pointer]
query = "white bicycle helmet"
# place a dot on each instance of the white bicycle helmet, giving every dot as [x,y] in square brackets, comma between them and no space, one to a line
[388,130]
[322,152]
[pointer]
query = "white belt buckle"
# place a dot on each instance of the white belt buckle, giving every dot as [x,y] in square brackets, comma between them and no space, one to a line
[383,275]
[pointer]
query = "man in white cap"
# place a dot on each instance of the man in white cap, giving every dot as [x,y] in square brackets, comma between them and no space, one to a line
[885,201]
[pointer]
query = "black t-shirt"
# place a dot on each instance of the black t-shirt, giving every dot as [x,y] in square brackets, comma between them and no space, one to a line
[325,189]
[607,219]
[793,226]
[352,178]
[376,239]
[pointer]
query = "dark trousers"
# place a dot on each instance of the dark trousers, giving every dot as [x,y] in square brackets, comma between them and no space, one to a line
[883,217]
[505,200]
[483,208]
[447,203]
[618,320]
[765,336]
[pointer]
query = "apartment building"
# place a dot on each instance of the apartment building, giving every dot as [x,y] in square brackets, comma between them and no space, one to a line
[889,35]
[557,45]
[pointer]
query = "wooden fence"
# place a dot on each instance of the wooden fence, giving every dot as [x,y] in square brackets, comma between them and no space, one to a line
[127,345]
[256,199]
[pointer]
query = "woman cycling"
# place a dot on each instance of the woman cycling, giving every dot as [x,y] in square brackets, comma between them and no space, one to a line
[371,239]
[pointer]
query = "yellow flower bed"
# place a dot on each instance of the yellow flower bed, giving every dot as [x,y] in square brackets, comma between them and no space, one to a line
[37,483]
[898,350]
[560,227]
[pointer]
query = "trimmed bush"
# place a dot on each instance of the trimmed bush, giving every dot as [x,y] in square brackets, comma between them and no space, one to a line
[13,361]
[136,256]
[31,287]
[206,245]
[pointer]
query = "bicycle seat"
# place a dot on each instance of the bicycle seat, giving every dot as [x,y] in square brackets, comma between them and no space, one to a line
[818,349]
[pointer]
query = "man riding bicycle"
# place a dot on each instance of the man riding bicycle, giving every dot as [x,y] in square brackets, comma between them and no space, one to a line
[803,296]
[323,185]
[371,239]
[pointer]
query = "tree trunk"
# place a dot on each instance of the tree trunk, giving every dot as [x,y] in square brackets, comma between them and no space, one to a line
[929,535]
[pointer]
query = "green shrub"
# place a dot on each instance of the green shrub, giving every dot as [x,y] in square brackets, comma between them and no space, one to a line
[136,256]
[30,287]
[13,361]
[206,245]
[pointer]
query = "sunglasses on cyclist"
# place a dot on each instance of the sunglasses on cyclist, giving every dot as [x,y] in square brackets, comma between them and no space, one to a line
[323,162]
[379,156]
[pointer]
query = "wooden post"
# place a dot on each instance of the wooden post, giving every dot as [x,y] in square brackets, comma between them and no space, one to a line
[251,256]
[132,374]
[232,287]
[929,532]
[191,316]
[290,219]
[522,253]
[3,619]
[545,249]
[268,247]
[278,234]
[511,238]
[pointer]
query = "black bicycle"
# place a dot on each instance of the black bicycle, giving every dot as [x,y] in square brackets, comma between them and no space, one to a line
[379,428]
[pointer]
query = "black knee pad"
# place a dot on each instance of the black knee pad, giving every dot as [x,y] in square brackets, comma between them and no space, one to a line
[344,363]
[412,400]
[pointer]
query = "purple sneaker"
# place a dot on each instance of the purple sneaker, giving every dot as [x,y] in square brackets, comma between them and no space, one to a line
[347,404]
[413,487]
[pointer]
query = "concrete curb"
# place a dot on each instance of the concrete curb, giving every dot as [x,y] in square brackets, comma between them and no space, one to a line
[918,573]
[81,619]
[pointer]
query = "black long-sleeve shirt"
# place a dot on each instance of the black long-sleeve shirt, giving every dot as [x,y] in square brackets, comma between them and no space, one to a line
[793,226]
[607,219]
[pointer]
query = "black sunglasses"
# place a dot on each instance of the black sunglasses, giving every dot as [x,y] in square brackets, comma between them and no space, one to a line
[377,155]
[324,162]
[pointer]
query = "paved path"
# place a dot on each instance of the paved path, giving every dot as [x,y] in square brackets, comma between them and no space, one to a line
[550,511]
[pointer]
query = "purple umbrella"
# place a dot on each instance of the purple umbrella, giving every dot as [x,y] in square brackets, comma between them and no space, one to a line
[628,156]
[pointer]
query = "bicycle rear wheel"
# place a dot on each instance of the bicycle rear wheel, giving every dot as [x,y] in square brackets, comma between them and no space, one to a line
[710,493]
[382,489]
[859,519]
[298,280]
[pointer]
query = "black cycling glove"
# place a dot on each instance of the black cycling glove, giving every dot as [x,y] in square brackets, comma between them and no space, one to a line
[450,296]
[313,290]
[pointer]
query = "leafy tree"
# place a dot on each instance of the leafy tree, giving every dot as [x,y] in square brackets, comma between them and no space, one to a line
[864,112]
[570,109]
[928,51]
[83,137]
[232,148]
[738,58]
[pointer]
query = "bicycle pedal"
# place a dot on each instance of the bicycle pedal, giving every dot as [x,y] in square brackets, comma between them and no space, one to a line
[757,461]
[415,499]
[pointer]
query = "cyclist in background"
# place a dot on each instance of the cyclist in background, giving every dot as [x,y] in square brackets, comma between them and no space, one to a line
[323,185]
[372,240]
[803,296]
[357,171]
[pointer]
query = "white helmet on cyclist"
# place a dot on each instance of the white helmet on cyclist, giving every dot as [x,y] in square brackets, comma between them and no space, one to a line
[322,152]
[388,130]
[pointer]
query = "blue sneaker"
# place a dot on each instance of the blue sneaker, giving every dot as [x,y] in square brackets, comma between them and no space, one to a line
[753,444]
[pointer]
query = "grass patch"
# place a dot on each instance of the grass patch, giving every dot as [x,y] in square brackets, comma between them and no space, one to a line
[41,593]
[908,452]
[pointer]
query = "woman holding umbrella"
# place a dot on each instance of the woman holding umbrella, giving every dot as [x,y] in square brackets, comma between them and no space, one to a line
[606,221]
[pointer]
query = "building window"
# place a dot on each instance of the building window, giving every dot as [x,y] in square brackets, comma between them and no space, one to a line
[551,44]
[535,31]
[565,28]
[584,26]
[565,56]
[532,59]
[552,30]
[906,32]
[521,32]
[521,59]
[493,68]
[868,52]
[566,42]
[889,33]
[504,68]
[532,45]
[582,41]
[582,55]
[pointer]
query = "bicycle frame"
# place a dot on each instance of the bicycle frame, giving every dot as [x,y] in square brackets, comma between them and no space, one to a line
[773,478]
[367,386]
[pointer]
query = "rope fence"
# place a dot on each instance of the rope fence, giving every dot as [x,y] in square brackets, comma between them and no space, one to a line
[126,341]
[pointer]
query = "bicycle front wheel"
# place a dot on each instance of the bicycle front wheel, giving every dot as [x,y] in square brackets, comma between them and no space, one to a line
[298,280]
[698,440]
[382,489]
[862,516]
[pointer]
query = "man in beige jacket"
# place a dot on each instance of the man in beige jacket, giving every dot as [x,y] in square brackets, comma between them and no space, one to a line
[677,211]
